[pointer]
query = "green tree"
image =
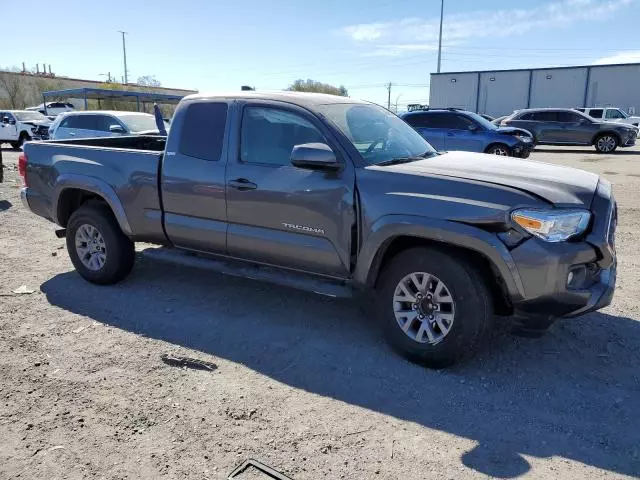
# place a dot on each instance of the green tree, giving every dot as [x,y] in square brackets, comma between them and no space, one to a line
[149,81]
[317,87]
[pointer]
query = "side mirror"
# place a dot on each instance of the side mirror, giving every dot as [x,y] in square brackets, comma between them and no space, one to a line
[116,129]
[472,128]
[5,119]
[314,156]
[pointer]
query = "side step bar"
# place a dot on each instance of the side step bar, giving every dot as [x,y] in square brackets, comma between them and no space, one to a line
[285,278]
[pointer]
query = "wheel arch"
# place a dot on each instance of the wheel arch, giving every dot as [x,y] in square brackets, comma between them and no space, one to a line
[482,249]
[606,132]
[73,191]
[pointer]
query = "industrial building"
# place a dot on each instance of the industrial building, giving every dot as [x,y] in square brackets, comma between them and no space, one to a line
[500,92]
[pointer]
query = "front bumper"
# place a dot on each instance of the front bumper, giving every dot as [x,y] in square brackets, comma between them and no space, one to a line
[569,279]
[631,140]
[522,150]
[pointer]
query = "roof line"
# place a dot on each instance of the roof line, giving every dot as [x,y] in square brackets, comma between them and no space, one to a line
[539,69]
[97,82]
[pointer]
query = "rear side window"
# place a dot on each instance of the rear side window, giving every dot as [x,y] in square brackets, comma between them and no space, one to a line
[85,122]
[569,117]
[203,130]
[545,116]
[525,116]
[596,112]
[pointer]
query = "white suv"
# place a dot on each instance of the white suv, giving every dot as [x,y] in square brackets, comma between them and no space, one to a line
[611,114]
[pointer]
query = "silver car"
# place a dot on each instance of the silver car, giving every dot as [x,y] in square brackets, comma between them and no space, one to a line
[102,123]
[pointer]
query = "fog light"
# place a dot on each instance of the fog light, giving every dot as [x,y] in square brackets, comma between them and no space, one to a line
[577,277]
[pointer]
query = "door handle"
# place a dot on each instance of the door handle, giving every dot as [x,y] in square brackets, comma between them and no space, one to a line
[242,184]
[72,134]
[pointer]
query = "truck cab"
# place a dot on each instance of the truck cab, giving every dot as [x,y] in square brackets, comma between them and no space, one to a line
[611,114]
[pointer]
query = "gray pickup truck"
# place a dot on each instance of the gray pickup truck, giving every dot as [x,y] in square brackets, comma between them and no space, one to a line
[337,196]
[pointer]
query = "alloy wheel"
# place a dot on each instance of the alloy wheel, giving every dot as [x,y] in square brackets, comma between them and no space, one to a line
[424,307]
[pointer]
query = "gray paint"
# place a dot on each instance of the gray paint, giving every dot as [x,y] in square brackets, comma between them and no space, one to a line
[335,224]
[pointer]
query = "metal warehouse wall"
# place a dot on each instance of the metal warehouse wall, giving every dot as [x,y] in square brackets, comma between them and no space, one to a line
[557,88]
[454,91]
[501,92]
[616,86]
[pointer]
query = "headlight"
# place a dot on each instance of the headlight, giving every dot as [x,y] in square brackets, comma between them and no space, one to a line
[552,225]
[525,139]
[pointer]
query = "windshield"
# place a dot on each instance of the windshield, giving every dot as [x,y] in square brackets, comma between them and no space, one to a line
[29,116]
[139,123]
[379,135]
[482,121]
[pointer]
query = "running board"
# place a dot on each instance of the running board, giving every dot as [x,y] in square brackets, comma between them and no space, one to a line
[236,268]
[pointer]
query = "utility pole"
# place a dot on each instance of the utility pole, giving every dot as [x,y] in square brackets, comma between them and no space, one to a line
[440,37]
[124,54]
[389,96]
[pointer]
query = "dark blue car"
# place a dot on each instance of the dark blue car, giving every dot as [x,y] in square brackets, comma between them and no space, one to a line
[452,129]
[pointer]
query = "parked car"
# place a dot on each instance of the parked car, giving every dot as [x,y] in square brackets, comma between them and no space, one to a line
[497,121]
[53,108]
[611,114]
[19,126]
[102,123]
[453,129]
[565,126]
[338,197]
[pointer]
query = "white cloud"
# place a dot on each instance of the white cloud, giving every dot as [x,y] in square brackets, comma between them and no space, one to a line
[404,35]
[620,57]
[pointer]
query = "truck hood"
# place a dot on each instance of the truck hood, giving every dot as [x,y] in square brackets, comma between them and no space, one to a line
[36,123]
[553,183]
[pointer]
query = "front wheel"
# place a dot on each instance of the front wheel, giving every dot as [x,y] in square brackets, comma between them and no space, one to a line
[24,137]
[434,308]
[606,143]
[499,149]
[98,249]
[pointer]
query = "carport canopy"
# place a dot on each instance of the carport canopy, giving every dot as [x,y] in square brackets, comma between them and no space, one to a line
[137,97]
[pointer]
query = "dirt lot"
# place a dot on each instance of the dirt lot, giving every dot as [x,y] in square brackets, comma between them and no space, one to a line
[303,383]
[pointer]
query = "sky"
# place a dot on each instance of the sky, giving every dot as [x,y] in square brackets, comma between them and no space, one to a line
[219,45]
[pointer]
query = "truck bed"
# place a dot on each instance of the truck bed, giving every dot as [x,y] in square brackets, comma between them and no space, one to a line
[122,170]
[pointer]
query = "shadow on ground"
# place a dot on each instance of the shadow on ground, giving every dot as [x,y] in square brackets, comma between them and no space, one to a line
[591,151]
[5,205]
[572,394]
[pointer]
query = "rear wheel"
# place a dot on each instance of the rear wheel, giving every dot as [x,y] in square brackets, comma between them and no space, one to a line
[434,308]
[98,249]
[606,143]
[499,149]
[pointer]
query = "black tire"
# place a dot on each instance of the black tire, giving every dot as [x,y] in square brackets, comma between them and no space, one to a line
[24,137]
[472,318]
[599,143]
[120,251]
[499,149]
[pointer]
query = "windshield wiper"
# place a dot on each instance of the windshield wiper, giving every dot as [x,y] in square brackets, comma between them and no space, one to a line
[399,160]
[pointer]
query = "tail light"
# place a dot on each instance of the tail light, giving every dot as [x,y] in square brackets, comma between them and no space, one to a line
[22,167]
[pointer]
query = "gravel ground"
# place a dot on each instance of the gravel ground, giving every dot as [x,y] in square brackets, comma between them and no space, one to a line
[302,383]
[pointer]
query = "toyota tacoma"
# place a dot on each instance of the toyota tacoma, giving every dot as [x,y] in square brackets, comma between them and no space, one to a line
[339,197]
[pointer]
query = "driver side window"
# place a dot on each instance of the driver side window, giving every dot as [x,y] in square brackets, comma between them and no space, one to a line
[269,134]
